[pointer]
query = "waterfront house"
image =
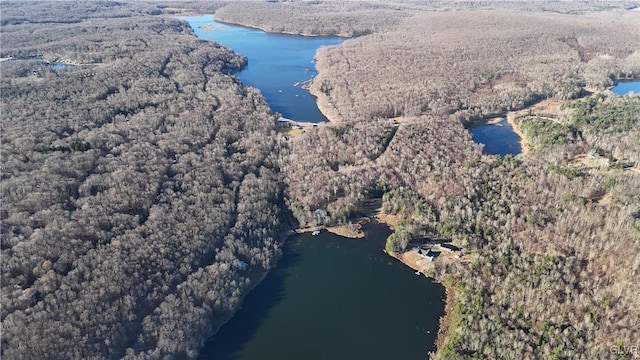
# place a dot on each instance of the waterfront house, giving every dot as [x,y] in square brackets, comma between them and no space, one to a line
[449,247]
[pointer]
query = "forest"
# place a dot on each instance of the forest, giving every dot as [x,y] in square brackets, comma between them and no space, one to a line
[143,186]
[140,188]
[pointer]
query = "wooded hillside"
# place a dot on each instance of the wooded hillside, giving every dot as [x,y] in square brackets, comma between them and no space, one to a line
[474,64]
[355,18]
[138,179]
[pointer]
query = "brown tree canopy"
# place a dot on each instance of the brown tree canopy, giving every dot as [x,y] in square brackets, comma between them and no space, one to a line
[137,176]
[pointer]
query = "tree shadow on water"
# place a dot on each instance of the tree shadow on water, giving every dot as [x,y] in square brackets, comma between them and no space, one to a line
[257,305]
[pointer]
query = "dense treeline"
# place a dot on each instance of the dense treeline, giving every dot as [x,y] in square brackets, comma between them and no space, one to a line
[356,18]
[552,275]
[140,191]
[586,120]
[330,170]
[69,12]
[314,17]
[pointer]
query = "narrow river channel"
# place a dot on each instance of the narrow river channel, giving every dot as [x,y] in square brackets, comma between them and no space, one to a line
[329,297]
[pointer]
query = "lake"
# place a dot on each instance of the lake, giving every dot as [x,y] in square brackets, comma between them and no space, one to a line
[279,64]
[332,297]
[329,297]
[626,87]
[498,138]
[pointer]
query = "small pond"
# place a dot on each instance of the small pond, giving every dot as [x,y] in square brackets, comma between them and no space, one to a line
[626,87]
[498,138]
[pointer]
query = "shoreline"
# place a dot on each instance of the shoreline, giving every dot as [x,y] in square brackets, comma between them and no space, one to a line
[252,286]
[322,101]
[444,328]
[340,230]
[524,144]
[444,323]
[285,235]
[375,214]
[510,117]
[254,283]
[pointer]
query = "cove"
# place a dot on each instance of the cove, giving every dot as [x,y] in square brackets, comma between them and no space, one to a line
[626,87]
[329,297]
[332,297]
[498,138]
[279,64]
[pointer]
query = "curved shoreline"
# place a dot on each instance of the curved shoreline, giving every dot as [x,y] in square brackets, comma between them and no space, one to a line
[444,328]
[322,101]
[445,320]
[282,238]
[524,144]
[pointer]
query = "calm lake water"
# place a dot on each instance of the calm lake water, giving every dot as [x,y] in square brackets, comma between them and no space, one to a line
[625,87]
[277,62]
[329,297]
[498,138]
[335,298]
